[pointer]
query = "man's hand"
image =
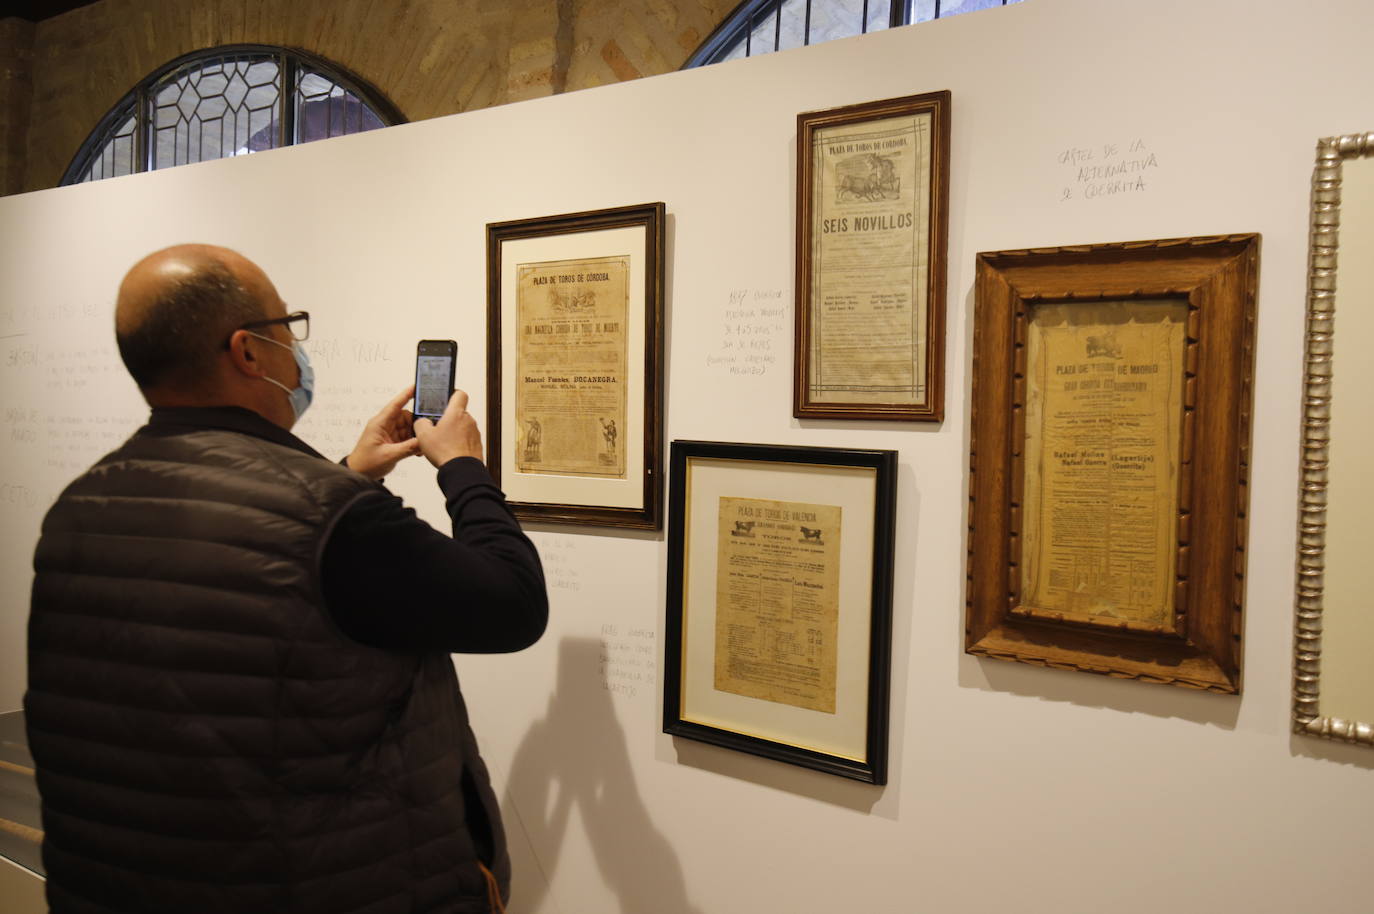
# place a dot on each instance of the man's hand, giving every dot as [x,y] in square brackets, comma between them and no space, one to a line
[455,434]
[387,439]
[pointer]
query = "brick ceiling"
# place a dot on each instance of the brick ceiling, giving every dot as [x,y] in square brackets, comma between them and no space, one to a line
[38,10]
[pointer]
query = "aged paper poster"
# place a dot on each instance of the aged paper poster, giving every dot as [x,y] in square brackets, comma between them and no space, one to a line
[869,261]
[777,601]
[570,389]
[1104,409]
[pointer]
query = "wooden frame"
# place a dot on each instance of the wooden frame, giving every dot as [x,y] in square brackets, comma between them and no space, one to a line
[779,633]
[1331,691]
[1188,629]
[872,229]
[575,343]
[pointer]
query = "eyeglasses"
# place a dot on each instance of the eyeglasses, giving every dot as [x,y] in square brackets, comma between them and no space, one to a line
[298,322]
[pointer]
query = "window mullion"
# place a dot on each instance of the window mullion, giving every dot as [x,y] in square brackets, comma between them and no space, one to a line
[143,130]
[286,96]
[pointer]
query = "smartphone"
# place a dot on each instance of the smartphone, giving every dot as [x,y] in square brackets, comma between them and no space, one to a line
[436,363]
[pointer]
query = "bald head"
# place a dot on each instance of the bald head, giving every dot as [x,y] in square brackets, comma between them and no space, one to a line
[178,306]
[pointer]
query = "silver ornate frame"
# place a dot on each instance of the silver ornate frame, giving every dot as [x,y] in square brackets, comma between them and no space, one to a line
[1316,437]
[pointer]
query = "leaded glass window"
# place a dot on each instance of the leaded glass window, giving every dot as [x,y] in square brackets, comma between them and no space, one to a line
[116,155]
[763,26]
[225,102]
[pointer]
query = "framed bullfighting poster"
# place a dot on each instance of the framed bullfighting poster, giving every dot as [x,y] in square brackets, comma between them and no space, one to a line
[575,365]
[872,191]
[780,602]
[1110,458]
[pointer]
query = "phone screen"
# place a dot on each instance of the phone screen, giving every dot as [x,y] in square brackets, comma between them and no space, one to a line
[433,379]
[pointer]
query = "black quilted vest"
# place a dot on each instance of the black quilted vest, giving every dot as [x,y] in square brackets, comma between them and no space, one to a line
[206,740]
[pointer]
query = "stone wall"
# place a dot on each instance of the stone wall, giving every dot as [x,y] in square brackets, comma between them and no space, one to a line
[16,96]
[428,57]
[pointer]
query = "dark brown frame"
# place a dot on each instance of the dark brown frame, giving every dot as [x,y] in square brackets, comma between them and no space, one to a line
[1217,277]
[650,216]
[933,410]
[871,769]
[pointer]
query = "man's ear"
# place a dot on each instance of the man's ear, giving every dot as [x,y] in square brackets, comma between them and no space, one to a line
[245,355]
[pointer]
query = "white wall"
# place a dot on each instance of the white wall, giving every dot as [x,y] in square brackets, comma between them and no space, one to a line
[1012,787]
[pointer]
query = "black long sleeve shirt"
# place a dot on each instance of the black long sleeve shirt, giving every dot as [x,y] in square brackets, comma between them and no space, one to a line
[392,581]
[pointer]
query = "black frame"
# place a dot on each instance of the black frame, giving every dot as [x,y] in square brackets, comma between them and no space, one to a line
[872,769]
[652,217]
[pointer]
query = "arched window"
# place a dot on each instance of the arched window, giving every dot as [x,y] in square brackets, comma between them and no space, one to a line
[761,26]
[227,101]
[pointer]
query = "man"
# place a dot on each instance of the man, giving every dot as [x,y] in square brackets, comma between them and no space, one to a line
[240,691]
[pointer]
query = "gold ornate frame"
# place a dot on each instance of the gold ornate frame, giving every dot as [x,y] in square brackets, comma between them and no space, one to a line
[1308,719]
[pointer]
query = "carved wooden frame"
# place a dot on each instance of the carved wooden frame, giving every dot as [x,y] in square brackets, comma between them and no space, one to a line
[1217,277]
[1316,442]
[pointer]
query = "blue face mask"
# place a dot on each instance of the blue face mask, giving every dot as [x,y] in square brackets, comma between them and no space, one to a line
[304,393]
